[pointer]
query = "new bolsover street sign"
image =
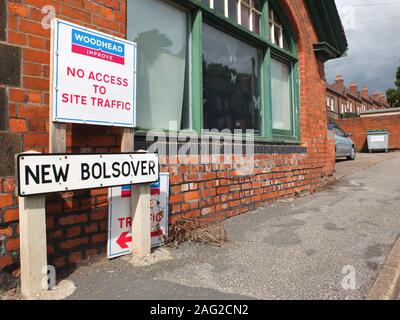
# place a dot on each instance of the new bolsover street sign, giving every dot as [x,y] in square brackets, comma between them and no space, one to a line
[41,174]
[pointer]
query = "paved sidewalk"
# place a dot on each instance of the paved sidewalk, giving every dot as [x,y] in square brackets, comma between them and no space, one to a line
[363,161]
[290,250]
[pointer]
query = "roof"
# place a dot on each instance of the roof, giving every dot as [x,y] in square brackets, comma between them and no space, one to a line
[347,94]
[331,87]
[357,97]
[333,42]
[367,99]
[381,111]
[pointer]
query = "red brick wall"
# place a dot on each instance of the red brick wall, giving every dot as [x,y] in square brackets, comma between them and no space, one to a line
[77,221]
[359,127]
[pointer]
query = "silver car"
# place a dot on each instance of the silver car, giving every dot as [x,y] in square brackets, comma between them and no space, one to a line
[345,146]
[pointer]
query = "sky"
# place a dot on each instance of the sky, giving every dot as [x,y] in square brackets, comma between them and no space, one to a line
[373,32]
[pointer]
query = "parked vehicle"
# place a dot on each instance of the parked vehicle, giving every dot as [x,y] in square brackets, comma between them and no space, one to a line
[345,146]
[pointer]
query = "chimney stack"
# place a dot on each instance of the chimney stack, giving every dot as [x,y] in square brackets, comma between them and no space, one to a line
[339,83]
[365,92]
[353,89]
[376,95]
[383,98]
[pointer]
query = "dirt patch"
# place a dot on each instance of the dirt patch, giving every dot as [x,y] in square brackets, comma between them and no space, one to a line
[194,230]
[63,290]
[13,294]
[156,256]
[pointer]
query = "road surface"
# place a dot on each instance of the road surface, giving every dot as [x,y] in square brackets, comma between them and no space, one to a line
[303,249]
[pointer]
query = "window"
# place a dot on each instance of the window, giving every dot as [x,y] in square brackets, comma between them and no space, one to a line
[231,82]
[245,12]
[249,14]
[339,132]
[197,66]
[281,95]
[161,32]
[329,103]
[276,31]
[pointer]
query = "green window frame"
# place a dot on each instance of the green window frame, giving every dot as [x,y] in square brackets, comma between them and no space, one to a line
[201,13]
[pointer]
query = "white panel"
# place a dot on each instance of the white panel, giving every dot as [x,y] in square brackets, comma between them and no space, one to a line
[94,77]
[39,174]
[120,221]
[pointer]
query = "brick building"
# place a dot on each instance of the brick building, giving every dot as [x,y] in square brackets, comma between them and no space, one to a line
[387,119]
[186,51]
[347,102]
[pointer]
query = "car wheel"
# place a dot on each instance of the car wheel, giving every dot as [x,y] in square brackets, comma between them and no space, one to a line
[352,154]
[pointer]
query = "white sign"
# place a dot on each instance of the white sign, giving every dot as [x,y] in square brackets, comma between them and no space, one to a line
[377,139]
[40,174]
[120,218]
[93,77]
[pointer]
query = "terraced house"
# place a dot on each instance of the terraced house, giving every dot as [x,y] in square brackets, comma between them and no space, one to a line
[203,64]
[342,102]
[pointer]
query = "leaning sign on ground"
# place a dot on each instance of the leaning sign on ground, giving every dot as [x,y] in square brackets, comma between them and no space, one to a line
[40,174]
[120,217]
[93,77]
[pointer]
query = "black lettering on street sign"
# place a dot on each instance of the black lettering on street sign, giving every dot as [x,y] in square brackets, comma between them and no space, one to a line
[46,174]
[34,176]
[61,174]
[85,174]
[116,169]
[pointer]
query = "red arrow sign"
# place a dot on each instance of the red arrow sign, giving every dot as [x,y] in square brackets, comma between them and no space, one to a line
[123,240]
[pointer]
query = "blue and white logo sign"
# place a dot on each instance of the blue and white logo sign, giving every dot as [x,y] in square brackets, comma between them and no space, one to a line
[97,47]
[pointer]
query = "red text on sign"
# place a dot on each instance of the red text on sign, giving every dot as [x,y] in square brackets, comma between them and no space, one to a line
[125,222]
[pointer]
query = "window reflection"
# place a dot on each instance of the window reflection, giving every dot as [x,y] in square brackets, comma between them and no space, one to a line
[245,16]
[160,31]
[219,5]
[232,10]
[231,82]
